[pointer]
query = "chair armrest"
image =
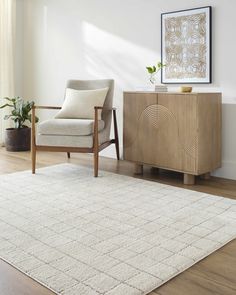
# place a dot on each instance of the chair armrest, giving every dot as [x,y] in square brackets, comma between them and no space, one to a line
[47,107]
[104,109]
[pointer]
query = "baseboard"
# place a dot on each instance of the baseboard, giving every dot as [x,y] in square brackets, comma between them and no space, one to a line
[228,170]
[110,152]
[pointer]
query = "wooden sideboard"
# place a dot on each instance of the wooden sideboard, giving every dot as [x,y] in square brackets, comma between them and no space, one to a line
[174,131]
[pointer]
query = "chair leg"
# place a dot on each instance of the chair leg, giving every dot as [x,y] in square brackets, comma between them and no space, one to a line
[95,143]
[116,135]
[68,155]
[33,159]
[117,150]
[96,163]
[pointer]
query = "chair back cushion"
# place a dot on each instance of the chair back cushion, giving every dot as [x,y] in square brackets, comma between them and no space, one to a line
[79,104]
[97,84]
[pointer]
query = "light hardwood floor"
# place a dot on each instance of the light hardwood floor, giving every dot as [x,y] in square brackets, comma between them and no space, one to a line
[215,275]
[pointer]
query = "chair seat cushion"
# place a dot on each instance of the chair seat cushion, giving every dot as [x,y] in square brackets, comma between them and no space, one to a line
[65,141]
[69,141]
[69,127]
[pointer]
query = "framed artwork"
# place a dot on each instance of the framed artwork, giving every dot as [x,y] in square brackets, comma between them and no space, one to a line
[186,46]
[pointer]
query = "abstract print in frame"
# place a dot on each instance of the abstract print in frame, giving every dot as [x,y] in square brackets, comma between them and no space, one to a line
[186,46]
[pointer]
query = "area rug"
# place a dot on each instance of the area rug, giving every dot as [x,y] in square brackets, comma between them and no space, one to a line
[112,235]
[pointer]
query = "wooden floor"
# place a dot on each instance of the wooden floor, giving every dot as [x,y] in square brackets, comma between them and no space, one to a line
[215,275]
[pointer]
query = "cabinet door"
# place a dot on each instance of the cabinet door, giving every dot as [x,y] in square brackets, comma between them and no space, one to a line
[177,132]
[139,136]
[161,130]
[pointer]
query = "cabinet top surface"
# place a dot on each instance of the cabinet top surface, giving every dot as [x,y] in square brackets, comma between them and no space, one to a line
[169,92]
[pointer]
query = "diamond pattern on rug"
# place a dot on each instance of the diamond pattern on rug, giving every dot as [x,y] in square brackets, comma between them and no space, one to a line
[110,235]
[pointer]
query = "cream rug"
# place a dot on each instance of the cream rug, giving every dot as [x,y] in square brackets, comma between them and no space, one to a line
[112,235]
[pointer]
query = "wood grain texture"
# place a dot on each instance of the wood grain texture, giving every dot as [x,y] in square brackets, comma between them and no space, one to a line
[13,282]
[209,132]
[215,274]
[134,105]
[176,131]
[95,144]
[177,138]
[47,107]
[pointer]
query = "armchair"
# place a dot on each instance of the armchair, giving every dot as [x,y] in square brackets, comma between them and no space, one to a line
[77,135]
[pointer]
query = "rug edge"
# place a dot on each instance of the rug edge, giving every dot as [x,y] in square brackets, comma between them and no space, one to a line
[162,283]
[195,262]
[29,276]
[129,176]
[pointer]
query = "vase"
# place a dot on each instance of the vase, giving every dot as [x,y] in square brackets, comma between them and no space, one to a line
[152,78]
[17,139]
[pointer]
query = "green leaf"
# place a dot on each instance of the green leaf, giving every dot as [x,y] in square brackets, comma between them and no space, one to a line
[160,65]
[6,105]
[12,100]
[150,70]
[7,98]
[6,117]
[20,111]
[36,119]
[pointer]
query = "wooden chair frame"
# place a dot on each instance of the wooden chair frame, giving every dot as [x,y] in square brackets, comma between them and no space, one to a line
[95,149]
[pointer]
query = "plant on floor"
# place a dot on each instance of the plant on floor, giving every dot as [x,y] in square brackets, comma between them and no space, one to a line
[18,138]
[20,111]
[153,71]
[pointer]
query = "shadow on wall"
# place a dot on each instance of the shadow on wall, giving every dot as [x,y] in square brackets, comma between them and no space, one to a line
[87,40]
[114,39]
[133,20]
[109,55]
[82,40]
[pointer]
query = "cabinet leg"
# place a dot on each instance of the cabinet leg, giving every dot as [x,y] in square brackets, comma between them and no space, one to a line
[138,169]
[155,170]
[206,176]
[189,179]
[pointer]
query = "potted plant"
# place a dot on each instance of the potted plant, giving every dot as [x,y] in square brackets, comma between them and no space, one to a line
[153,71]
[18,138]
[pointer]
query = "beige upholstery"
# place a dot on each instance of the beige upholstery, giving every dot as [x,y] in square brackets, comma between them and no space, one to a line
[79,104]
[69,127]
[78,132]
[78,135]
[96,84]
[69,141]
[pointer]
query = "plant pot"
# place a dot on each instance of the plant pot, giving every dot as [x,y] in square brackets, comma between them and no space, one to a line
[17,139]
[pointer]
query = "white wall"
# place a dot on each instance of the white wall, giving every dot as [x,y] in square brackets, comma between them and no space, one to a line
[84,39]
